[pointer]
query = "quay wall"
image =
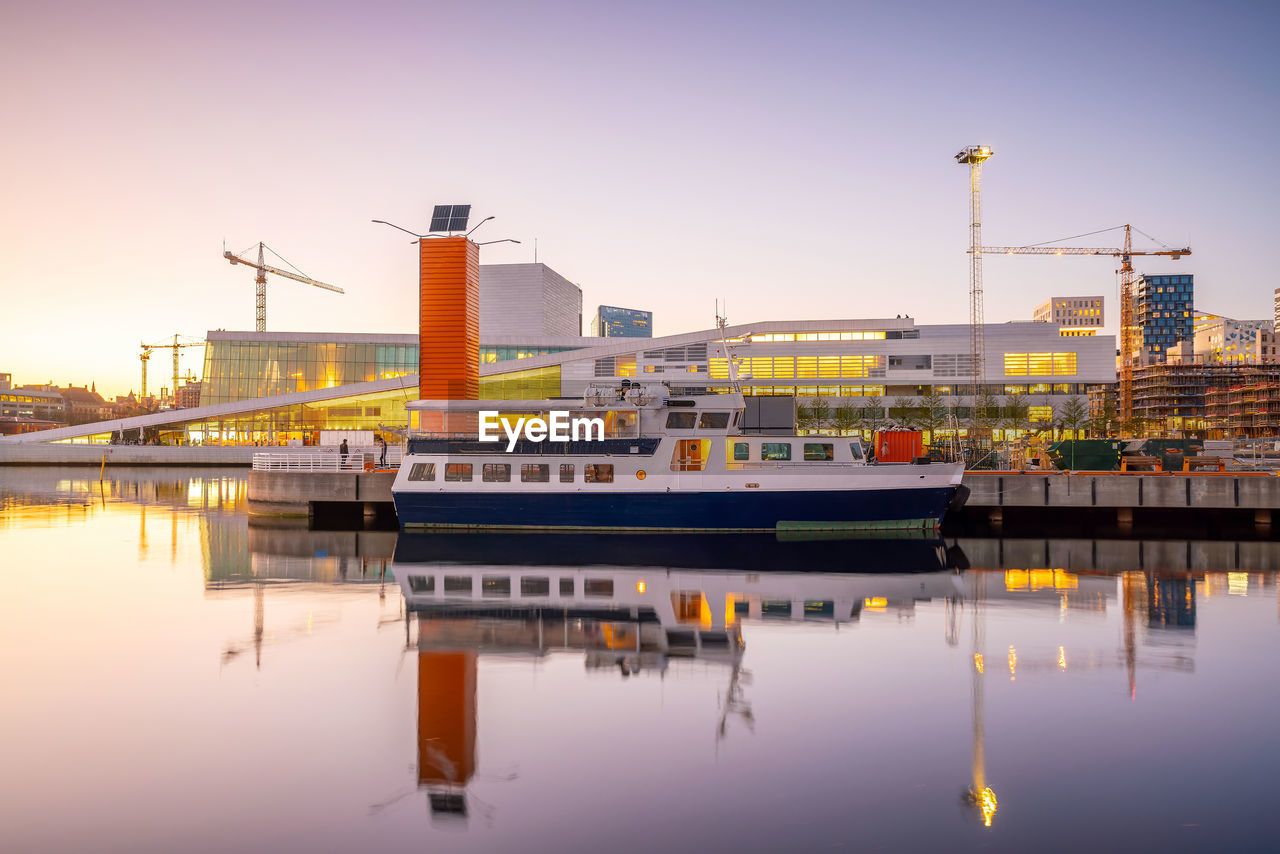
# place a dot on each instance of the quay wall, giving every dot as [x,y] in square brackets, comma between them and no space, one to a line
[1209,490]
[294,493]
[67,454]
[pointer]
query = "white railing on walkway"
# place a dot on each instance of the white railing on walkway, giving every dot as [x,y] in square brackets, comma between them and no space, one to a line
[328,459]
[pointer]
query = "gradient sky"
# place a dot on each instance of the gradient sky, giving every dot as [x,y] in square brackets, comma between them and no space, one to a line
[794,159]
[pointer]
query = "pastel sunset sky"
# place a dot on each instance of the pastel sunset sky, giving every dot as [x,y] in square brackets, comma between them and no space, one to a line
[793,159]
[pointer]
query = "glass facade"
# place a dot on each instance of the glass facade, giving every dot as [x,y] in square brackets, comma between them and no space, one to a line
[493,353]
[243,366]
[537,384]
[1165,313]
[613,322]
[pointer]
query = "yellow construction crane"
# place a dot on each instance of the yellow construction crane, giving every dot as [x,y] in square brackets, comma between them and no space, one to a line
[176,346]
[260,292]
[1128,327]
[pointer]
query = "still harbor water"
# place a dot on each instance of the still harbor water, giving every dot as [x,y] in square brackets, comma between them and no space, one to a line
[177,679]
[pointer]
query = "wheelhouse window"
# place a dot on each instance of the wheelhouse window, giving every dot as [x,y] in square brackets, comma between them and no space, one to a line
[714,420]
[458,472]
[422,583]
[496,472]
[422,471]
[598,472]
[818,452]
[535,473]
[855,448]
[681,420]
[775,451]
[566,587]
[741,451]
[566,473]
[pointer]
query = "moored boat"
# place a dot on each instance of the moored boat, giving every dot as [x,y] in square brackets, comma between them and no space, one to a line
[635,458]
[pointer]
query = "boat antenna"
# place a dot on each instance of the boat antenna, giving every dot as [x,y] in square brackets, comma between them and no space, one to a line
[721,322]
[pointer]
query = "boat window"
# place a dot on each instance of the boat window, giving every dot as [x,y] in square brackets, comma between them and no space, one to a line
[422,471]
[495,585]
[566,587]
[457,584]
[735,419]
[566,472]
[422,583]
[458,472]
[775,608]
[775,451]
[598,587]
[714,420]
[537,586]
[598,472]
[681,420]
[818,451]
[741,451]
[855,448]
[496,472]
[535,473]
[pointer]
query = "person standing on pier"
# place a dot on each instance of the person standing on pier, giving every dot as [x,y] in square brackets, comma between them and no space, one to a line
[342,449]
[382,457]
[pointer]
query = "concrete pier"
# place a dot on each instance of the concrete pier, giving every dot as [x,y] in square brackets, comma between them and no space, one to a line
[297,493]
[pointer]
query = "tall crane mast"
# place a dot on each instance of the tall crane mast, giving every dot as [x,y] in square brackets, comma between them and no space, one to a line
[974,156]
[1128,326]
[176,346]
[260,281]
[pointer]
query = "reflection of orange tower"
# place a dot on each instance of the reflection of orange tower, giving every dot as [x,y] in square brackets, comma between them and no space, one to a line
[446,718]
[449,319]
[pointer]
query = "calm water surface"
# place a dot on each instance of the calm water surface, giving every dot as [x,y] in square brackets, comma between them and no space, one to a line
[178,680]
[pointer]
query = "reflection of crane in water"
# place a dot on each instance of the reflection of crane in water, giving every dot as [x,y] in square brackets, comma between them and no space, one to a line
[980,794]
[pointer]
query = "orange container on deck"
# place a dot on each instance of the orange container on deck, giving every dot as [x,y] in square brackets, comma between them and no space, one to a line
[899,446]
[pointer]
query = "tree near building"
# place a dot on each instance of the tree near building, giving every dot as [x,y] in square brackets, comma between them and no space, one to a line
[872,417]
[844,418]
[1073,417]
[933,412]
[813,416]
[903,410]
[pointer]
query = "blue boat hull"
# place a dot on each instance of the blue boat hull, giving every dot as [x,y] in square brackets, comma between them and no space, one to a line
[679,511]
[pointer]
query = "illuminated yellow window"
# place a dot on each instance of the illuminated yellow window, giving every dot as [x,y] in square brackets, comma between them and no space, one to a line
[718,368]
[1064,363]
[1015,364]
[784,367]
[1040,413]
[806,366]
[829,366]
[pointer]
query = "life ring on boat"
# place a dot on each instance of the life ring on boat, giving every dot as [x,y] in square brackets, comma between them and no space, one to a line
[640,475]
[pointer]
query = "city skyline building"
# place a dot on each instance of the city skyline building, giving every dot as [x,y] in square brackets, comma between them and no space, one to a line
[1164,312]
[612,321]
[1072,315]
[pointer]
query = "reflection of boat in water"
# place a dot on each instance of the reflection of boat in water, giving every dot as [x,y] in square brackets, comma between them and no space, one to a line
[633,620]
[745,552]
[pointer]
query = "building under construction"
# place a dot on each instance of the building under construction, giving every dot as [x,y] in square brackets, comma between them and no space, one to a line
[1247,411]
[1174,398]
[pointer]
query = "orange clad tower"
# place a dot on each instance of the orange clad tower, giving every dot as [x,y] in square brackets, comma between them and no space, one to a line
[449,319]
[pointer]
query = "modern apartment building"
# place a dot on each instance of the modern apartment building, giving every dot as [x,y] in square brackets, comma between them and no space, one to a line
[1164,312]
[1072,315]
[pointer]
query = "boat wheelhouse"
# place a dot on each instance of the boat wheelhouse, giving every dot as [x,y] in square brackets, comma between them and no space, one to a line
[642,459]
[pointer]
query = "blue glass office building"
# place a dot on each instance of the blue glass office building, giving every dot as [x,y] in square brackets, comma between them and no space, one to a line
[1165,312]
[613,322]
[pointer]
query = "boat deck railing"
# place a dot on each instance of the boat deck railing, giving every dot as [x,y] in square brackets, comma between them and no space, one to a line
[329,460]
